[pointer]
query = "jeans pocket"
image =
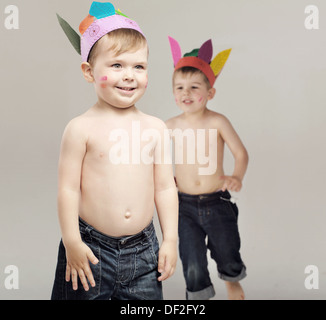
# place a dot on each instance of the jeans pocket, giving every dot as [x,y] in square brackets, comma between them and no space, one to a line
[154,248]
[145,285]
[234,209]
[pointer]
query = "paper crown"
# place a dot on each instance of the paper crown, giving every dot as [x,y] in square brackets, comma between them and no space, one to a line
[200,59]
[102,19]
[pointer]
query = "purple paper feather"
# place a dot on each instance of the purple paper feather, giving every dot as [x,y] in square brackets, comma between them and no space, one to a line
[206,51]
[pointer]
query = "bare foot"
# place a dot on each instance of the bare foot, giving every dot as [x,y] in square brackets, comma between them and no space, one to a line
[235,291]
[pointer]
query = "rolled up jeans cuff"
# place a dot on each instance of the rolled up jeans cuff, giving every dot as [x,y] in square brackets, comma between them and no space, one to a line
[239,277]
[204,294]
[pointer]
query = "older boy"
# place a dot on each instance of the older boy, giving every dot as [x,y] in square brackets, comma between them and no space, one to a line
[206,208]
[106,197]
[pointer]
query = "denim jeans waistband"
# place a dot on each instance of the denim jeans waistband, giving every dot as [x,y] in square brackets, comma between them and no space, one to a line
[205,197]
[116,242]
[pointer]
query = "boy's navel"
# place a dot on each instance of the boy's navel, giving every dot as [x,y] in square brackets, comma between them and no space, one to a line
[127,214]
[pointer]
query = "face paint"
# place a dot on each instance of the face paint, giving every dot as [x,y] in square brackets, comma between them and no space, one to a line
[103,85]
[200,99]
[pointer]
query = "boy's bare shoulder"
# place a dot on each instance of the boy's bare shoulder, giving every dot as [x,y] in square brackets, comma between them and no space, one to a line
[78,126]
[217,119]
[173,122]
[77,122]
[152,121]
[215,115]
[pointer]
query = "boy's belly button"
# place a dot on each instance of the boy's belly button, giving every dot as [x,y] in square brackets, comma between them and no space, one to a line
[127,214]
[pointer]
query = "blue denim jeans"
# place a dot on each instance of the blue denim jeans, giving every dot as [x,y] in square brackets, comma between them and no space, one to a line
[208,221]
[127,267]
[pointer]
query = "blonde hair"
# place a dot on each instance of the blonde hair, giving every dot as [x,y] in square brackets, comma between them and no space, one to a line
[123,40]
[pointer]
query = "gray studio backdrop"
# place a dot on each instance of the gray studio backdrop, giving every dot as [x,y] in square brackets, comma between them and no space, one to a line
[272,89]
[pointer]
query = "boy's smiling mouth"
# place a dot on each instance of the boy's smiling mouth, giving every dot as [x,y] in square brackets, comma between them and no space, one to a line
[187,101]
[126,88]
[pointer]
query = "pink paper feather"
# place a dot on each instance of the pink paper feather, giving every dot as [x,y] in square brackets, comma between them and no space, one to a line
[176,50]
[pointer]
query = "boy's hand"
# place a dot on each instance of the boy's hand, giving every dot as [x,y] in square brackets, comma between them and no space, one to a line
[231,183]
[78,257]
[167,259]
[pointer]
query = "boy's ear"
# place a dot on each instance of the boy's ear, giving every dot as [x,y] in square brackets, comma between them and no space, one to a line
[87,72]
[211,93]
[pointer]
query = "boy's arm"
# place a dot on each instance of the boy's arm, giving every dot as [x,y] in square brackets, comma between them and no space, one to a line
[73,149]
[239,152]
[166,201]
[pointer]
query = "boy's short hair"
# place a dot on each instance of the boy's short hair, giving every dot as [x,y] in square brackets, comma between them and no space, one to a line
[191,71]
[123,40]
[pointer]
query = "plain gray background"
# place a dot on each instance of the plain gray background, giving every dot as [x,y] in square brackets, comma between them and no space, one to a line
[272,89]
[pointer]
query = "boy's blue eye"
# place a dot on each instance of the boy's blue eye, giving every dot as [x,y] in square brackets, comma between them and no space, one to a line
[116,65]
[139,67]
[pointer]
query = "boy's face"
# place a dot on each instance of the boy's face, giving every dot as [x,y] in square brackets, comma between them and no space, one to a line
[119,80]
[191,92]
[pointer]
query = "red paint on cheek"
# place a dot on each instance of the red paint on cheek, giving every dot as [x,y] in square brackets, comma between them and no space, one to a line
[103,85]
[200,99]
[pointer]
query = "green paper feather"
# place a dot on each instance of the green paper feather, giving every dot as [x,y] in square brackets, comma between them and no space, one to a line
[72,35]
[193,53]
[121,14]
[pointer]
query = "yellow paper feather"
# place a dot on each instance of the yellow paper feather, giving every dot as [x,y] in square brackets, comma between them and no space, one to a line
[219,61]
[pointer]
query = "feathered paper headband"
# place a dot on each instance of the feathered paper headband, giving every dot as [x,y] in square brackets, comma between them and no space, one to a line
[200,59]
[102,19]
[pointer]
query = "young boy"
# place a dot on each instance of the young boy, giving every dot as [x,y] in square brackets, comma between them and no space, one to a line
[206,208]
[106,193]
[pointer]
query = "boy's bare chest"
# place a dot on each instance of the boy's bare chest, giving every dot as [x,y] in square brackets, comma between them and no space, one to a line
[131,144]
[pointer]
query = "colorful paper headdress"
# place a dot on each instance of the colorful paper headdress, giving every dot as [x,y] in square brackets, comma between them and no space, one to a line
[200,59]
[102,19]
